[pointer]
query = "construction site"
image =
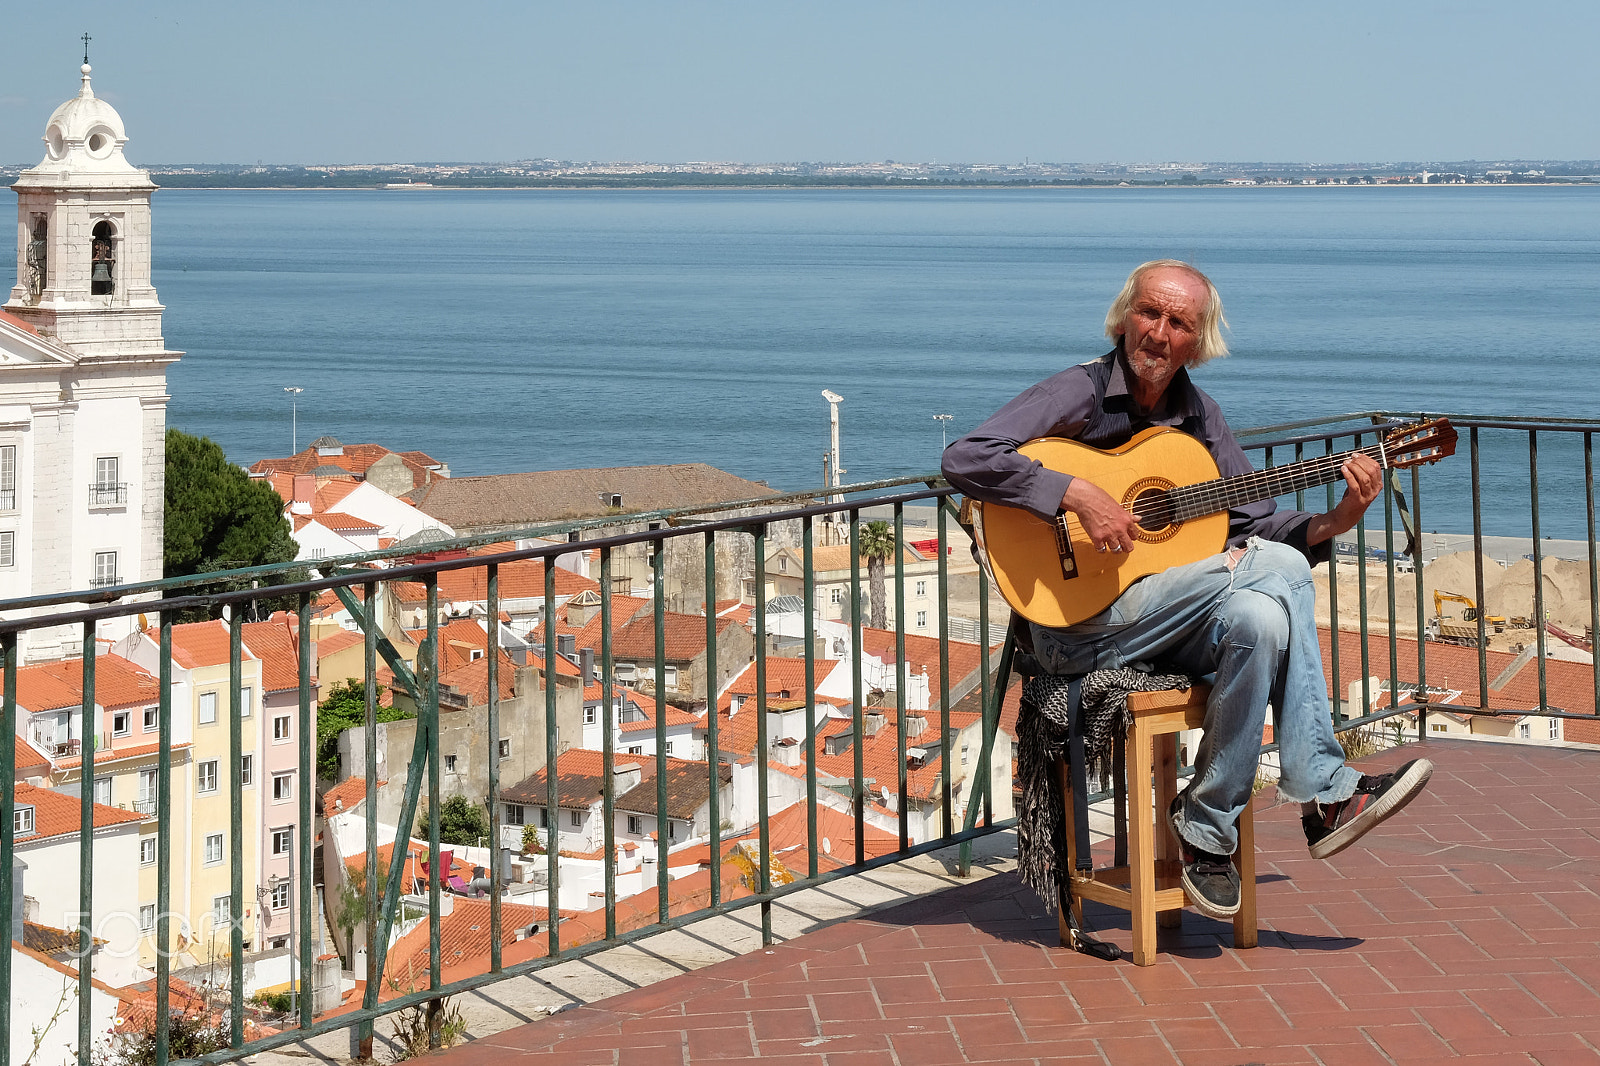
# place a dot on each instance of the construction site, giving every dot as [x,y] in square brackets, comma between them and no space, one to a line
[1449,599]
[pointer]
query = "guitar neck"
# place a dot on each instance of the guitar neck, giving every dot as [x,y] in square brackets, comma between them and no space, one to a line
[1221,494]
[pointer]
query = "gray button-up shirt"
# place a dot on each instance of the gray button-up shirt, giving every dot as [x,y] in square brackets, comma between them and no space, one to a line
[1092,403]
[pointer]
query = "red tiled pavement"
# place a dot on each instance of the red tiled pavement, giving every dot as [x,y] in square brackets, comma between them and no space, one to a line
[1468,928]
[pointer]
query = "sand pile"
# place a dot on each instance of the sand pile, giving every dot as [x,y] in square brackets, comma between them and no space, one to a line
[1565,588]
[1507,591]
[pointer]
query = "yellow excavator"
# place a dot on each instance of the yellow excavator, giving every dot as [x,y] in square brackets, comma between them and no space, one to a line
[1497,622]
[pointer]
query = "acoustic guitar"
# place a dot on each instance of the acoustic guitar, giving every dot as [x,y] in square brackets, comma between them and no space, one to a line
[1050,572]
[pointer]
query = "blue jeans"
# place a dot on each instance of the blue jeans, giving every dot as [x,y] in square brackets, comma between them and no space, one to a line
[1249,621]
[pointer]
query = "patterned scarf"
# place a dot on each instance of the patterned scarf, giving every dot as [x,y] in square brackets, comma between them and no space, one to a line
[1042,730]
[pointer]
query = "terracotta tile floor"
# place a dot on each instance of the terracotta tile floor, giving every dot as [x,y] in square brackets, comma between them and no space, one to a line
[1466,928]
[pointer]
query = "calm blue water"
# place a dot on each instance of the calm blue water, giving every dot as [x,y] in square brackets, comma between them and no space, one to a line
[503,331]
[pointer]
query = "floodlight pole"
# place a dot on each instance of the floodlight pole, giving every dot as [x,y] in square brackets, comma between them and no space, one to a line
[944,423]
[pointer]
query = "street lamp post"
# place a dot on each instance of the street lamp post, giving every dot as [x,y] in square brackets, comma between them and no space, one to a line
[944,424]
[834,400]
[294,417]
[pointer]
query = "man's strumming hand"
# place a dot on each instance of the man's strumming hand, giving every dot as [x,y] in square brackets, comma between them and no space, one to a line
[1109,525]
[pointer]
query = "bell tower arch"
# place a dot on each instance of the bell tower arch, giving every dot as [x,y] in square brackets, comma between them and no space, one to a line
[83,374]
[83,236]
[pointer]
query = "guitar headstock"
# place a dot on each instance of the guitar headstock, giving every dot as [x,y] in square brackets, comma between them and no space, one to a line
[1419,443]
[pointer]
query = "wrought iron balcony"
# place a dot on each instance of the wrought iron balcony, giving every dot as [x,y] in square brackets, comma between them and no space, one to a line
[105,581]
[108,495]
[1381,669]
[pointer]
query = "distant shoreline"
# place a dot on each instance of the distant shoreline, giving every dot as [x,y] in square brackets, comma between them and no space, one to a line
[1063,186]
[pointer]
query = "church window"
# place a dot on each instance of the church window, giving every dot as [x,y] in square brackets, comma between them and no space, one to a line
[8,477]
[103,253]
[38,255]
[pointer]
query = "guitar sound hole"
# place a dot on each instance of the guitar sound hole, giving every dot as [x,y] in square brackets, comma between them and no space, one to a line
[1153,510]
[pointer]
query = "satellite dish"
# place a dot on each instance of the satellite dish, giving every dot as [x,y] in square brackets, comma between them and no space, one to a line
[827,846]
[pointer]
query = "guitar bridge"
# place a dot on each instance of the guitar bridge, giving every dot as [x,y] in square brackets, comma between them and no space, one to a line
[1069,560]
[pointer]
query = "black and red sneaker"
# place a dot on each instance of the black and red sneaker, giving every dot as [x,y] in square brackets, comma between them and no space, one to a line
[1211,880]
[1338,825]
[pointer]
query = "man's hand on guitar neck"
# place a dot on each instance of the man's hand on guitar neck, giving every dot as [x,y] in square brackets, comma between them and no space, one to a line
[1109,525]
[1363,482]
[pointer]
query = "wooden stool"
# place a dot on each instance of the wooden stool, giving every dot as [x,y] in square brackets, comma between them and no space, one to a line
[1150,887]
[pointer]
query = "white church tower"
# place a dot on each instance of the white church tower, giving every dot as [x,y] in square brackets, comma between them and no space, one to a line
[83,390]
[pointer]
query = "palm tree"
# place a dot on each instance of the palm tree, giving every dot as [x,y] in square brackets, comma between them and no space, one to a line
[877,545]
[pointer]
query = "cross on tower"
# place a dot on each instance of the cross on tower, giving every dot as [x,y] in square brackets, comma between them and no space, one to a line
[86,40]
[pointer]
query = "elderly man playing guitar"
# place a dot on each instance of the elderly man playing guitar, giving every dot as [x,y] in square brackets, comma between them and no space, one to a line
[1244,614]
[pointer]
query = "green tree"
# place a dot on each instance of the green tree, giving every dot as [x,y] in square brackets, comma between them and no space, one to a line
[532,840]
[345,707]
[352,901]
[217,517]
[460,822]
[877,544]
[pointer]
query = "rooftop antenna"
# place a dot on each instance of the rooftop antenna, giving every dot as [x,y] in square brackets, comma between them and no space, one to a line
[86,40]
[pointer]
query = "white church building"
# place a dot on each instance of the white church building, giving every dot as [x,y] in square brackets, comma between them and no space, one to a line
[83,391]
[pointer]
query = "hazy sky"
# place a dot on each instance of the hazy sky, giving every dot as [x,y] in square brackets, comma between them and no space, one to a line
[291,81]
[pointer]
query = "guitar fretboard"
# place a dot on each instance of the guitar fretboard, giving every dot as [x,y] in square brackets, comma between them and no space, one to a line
[1220,494]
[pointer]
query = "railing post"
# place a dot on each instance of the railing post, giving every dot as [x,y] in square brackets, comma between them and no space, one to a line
[763,827]
[492,610]
[903,815]
[84,954]
[236,834]
[608,788]
[8,808]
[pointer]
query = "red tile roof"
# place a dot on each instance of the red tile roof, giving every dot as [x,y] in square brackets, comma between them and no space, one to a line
[458,638]
[345,795]
[59,685]
[13,320]
[110,755]
[29,756]
[464,942]
[197,644]
[788,838]
[57,814]
[523,579]
[356,458]
[344,523]
[646,706]
[119,683]
[685,636]
[922,655]
[472,680]
[580,777]
[274,643]
[334,643]
[330,494]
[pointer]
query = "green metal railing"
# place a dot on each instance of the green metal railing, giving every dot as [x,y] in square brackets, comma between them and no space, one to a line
[709,532]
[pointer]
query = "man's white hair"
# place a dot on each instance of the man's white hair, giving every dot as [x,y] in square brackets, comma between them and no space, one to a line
[1212,320]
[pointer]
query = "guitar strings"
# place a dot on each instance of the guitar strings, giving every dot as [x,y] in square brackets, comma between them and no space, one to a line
[1207,497]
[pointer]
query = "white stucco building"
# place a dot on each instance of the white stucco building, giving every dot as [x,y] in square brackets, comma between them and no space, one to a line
[83,365]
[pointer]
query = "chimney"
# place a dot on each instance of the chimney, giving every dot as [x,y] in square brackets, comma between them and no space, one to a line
[873,722]
[787,751]
[18,900]
[586,664]
[567,645]
[305,488]
[519,654]
[915,724]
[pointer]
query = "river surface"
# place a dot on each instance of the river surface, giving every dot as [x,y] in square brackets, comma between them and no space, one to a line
[522,330]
